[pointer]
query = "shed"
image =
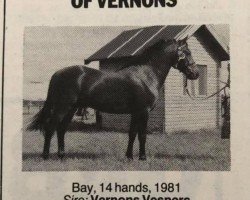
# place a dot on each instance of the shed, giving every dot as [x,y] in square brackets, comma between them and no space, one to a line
[174,110]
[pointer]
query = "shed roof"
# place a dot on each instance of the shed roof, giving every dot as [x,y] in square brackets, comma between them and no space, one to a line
[133,42]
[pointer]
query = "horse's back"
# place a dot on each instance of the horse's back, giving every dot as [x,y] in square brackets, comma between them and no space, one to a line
[74,71]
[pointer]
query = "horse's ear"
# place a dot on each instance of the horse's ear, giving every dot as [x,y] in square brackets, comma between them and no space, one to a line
[183,41]
[174,42]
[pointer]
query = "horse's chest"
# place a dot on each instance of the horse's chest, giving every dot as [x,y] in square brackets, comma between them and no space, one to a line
[151,93]
[152,96]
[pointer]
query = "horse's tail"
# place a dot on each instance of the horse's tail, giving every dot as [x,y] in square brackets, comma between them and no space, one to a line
[41,119]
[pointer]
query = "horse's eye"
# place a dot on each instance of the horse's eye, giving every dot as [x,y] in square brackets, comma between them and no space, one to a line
[188,53]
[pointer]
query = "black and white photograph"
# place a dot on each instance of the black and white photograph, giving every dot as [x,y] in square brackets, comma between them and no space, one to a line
[126,98]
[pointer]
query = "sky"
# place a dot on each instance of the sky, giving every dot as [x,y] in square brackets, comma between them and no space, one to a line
[48,49]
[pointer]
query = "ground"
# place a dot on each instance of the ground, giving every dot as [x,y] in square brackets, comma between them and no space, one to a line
[94,150]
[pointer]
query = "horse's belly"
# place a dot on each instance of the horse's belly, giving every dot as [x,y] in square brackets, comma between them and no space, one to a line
[114,108]
[111,105]
[116,95]
[112,100]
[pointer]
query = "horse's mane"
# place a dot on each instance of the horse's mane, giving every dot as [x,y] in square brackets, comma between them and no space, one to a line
[154,51]
[133,61]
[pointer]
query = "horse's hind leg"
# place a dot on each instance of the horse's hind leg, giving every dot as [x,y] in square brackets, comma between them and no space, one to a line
[61,130]
[50,129]
[142,134]
[53,124]
[132,136]
[46,147]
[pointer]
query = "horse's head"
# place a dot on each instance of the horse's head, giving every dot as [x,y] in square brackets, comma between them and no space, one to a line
[173,53]
[185,62]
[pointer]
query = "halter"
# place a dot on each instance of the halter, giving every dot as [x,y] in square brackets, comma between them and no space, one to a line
[181,56]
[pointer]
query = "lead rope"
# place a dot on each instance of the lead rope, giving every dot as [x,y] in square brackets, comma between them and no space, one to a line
[208,97]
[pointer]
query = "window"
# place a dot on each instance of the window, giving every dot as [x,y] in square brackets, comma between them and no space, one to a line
[197,87]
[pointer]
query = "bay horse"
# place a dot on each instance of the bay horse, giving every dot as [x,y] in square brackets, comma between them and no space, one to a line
[131,90]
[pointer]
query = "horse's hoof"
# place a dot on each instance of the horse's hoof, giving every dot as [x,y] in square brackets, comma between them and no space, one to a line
[60,155]
[130,159]
[45,156]
[129,156]
[143,157]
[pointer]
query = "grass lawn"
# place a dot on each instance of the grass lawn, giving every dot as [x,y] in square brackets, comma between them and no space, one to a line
[102,150]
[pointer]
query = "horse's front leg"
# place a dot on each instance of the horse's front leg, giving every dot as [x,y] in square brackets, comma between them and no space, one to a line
[132,136]
[142,134]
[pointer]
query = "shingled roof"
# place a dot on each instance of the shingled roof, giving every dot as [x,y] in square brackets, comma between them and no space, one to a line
[134,42]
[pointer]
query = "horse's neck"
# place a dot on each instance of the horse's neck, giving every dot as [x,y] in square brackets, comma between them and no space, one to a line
[161,70]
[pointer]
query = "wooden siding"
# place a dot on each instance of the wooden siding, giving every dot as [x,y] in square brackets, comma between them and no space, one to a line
[183,113]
